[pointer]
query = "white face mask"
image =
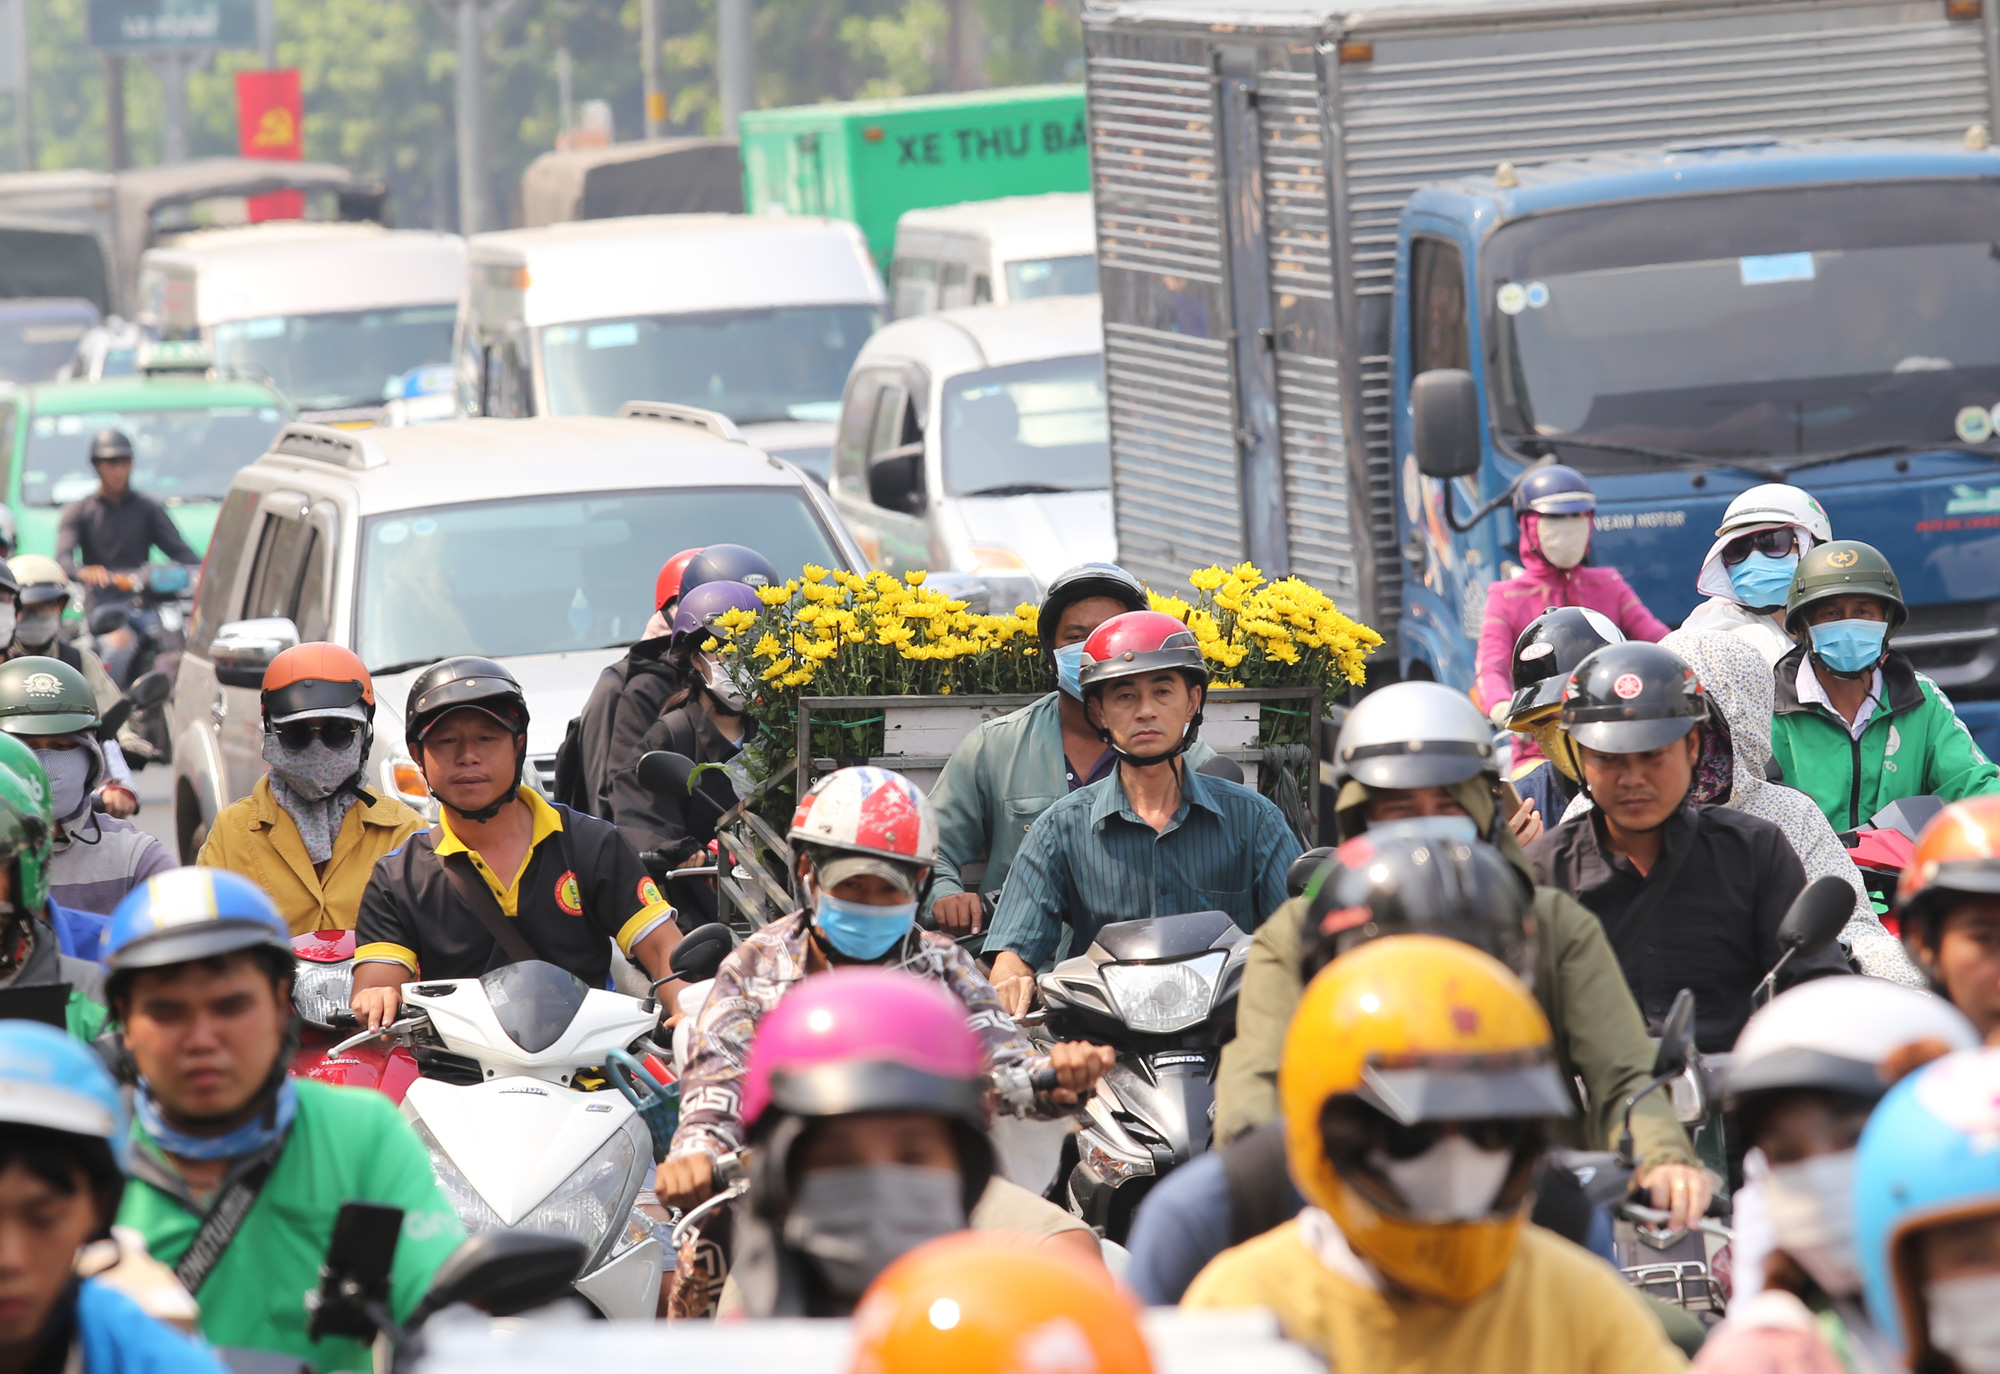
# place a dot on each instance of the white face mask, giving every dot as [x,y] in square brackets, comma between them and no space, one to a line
[7,616]
[722,686]
[1565,539]
[1965,1321]
[1811,1206]
[1454,1180]
[38,628]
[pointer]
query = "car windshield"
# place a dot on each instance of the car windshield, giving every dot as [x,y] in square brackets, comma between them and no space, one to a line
[1029,278]
[1726,328]
[177,455]
[554,574]
[34,344]
[1032,427]
[337,361]
[782,363]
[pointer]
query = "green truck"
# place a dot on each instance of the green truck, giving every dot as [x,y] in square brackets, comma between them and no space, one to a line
[870,160]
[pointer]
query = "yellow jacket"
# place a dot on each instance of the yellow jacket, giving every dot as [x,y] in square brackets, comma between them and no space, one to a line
[1558,1310]
[257,838]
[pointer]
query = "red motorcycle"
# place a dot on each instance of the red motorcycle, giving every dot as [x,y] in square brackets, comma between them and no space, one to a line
[1882,849]
[321,991]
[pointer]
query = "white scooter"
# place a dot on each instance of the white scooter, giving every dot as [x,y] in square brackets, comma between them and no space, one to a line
[513,1139]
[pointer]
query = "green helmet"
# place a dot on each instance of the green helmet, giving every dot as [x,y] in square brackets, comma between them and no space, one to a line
[26,828]
[1845,567]
[45,696]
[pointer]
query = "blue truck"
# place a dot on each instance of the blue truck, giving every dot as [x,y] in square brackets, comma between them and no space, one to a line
[1685,248]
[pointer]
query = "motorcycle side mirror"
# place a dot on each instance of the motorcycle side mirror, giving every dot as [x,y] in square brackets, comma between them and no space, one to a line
[107,620]
[150,690]
[113,720]
[665,771]
[1224,767]
[1302,869]
[502,1272]
[1444,406]
[1676,1037]
[1816,916]
[701,952]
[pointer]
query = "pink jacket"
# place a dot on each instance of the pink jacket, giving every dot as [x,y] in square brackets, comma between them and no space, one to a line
[1510,605]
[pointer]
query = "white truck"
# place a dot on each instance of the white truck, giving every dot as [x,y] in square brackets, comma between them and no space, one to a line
[993,252]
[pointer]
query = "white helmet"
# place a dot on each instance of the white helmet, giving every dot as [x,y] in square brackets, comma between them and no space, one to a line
[881,821]
[1414,734]
[1834,1033]
[1775,503]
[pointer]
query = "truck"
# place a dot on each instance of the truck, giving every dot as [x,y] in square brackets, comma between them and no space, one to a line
[1683,247]
[870,160]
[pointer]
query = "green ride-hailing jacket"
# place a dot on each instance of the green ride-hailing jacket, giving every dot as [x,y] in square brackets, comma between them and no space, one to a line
[1914,745]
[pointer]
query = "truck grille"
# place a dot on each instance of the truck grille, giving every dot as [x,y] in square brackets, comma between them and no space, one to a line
[1958,646]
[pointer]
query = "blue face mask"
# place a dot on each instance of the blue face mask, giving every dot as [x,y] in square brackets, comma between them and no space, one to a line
[1763,581]
[1849,646]
[1069,667]
[860,931]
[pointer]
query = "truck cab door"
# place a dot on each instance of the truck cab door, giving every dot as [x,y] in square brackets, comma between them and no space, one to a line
[879,466]
[288,577]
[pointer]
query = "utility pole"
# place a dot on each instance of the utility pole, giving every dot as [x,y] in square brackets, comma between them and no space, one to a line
[267,33]
[649,49]
[734,80]
[565,97]
[173,66]
[24,85]
[472,20]
[118,151]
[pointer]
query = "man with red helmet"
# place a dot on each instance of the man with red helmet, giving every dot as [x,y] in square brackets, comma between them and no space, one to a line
[310,832]
[1949,905]
[1153,837]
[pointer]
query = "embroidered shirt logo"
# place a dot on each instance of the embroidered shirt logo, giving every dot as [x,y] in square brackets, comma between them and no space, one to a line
[567,896]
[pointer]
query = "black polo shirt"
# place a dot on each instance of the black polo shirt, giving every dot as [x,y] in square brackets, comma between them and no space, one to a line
[581,886]
[1728,879]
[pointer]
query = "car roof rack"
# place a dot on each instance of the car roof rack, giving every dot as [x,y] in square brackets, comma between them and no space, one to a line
[325,444]
[714,421]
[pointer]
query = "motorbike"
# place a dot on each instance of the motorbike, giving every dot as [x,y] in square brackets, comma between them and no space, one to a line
[322,987]
[1162,993]
[1882,849]
[160,598]
[517,1107]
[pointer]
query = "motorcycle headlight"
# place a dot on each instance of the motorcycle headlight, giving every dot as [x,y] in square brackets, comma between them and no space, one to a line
[1161,998]
[473,1210]
[321,990]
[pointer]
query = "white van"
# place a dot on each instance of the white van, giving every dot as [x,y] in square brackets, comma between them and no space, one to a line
[342,318]
[758,317]
[1018,248]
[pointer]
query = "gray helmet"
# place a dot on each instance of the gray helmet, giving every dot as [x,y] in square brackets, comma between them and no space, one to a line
[1414,734]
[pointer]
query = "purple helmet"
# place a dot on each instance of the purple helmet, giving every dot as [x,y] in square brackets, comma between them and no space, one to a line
[1554,490]
[729,563]
[699,608]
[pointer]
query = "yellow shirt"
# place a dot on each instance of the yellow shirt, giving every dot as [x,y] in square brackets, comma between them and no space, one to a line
[1558,1310]
[548,821]
[258,838]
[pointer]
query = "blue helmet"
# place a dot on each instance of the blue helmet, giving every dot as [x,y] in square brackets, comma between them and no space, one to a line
[1926,1156]
[729,563]
[189,914]
[56,1082]
[1553,489]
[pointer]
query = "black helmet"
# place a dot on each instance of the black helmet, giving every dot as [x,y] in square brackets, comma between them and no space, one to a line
[1548,651]
[110,446]
[1420,877]
[729,563]
[463,681]
[1081,583]
[1630,699]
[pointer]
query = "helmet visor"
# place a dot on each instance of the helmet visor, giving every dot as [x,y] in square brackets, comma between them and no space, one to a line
[184,944]
[843,1089]
[1629,736]
[314,697]
[1468,1089]
[1417,763]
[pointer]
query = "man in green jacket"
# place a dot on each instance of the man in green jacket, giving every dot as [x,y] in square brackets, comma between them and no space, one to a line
[201,974]
[1856,726]
[1420,749]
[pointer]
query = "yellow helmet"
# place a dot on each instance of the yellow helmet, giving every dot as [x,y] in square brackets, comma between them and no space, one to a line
[1389,1042]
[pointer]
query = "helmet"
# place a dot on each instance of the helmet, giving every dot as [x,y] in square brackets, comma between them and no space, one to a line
[27,829]
[1402,1032]
[1833,1034]
[1926,1156]
[1548,651]
[879,822]
[667,585]
[1957,853]
[41,579]
[990,1303]
[1775,503]
[1554,489]
[467,680]
[45,696]
[729,563]
[54,1081]
[110,446]
[1141,642]
[1846,567]
[1428,877]
[1414,734]
[309,681]
[1631,698]
[700,607]
[186,914]
[1080,583]
[10,586]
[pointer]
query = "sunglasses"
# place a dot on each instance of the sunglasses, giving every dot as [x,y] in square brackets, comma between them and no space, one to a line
[1512,1134]
[1771,543]
[333,731]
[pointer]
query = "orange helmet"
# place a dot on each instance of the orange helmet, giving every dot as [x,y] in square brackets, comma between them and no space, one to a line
[984,1302]
[1957,855]
[667,585]
[308,681]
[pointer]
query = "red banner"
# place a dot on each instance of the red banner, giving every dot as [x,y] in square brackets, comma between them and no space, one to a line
[270,123]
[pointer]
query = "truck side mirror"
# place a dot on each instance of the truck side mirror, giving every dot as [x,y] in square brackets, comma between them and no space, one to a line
[243,649]
[896,479]
[1444,404]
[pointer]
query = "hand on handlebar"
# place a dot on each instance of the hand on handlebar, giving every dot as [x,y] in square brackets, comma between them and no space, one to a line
[376,1007]
[1680,1190]
[1078,1065]
[960,914]
[684,1182]
[96,575]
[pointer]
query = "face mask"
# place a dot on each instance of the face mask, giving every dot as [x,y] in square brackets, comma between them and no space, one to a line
[723,687]
[1565,539]
[1069,667]
[1965,1321]
[853,1223]
[1763,582]
[315,772]
[69,773]
[7,618]
[38,628]
[1849,646]
[1811,1205]
[860,931]
[1454,1180]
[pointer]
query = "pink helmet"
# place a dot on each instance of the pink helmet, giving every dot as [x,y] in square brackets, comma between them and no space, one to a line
[880,818]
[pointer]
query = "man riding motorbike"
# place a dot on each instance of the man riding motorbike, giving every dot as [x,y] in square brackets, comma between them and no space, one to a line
[238,1170]
[1153,837]
[1419,1079]
[40,591]
[1948,904]
[1420,749]
[1544,656]
[504,876]
[1748,570]
[310,833]
[1691,896]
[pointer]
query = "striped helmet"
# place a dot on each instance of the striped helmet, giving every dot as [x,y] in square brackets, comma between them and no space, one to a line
[868,811]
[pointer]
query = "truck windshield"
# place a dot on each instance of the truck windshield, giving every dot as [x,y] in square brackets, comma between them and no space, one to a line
[553,574]
[1032,427]
[177,455]
[1766,324]
[1029,278]
[781,363]
[340,361]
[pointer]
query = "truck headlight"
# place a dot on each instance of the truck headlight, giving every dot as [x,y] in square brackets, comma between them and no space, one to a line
[1162,998]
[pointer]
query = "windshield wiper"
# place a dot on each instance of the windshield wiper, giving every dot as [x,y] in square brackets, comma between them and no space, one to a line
[1022,489]
[1883,450]
[390,668]
[1765,471]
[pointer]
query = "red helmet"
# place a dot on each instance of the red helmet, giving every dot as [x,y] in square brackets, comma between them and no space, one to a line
[875,821]
[1958,854]
[667,585]
[1140,642]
